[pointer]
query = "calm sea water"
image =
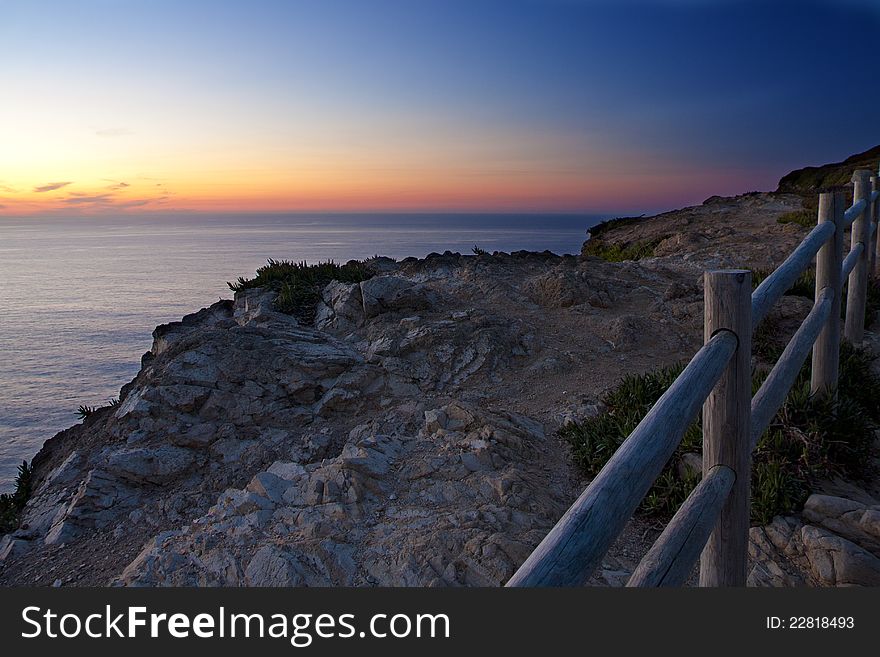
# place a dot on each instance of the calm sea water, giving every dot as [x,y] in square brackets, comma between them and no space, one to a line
[79,297]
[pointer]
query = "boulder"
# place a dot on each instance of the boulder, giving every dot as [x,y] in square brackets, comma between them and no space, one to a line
[256,306]
[836,561]
[383,294]
[219,315]
[341,308]
[11,546]
[853,520]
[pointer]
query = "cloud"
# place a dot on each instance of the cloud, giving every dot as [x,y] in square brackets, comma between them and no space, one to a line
[113,132]
[117,185]
[138,203]
[109,201]
[52,186]
[83,198]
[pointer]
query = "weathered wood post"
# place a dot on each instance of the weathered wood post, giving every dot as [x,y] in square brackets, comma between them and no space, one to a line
[829,260]
[726,426]
[874,245]
[857,292]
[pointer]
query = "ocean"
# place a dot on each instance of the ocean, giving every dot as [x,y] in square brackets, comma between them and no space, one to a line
[79,297]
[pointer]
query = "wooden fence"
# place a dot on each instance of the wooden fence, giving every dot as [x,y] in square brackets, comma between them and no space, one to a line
[712,525]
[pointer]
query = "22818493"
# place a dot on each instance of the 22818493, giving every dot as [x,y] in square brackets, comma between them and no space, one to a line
[811,623]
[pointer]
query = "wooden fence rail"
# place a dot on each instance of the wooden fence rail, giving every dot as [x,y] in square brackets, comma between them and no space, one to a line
[712,525]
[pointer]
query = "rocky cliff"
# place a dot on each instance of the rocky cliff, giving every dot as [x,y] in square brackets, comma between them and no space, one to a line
[408,437]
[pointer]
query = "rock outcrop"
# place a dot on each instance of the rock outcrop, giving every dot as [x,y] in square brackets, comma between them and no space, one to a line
[406,439]
[455,502]
[836,542]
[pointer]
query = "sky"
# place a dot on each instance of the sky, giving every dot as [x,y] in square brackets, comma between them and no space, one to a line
[584,106]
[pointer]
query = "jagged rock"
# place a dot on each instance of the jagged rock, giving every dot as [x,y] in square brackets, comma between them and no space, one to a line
[313,524]
[852,520]
[775,552]
[341,308]
[273,567]
[381,265]
[835,561]
[287,470]
[383,294]
[150,465]
[218,315]
[270,486]
[200,435]
[67,472]
[256,307]
[100,501]
[11,546]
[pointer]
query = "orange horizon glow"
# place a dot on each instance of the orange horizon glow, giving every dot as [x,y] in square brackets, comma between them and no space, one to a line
[331,189]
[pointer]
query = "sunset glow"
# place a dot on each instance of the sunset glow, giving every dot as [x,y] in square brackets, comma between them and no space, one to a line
[154,107]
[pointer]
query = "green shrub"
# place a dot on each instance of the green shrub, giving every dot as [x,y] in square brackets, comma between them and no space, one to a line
[299,284]
[808,439]
[11,504]
[619,252]
[806,218]
[775,490]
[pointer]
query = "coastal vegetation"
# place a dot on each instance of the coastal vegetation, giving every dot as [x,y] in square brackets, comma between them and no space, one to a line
[809,439]
[299,284]
[805,217]
[598,247]
[83,411]
[805,286]
[11,504]
[808,180]
[616,252]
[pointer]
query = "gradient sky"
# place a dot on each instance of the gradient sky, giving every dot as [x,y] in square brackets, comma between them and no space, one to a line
[471,105]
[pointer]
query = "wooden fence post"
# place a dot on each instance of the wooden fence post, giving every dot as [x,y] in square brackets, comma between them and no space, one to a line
[726,426]
[857,291]
[874,245]
[826,350]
